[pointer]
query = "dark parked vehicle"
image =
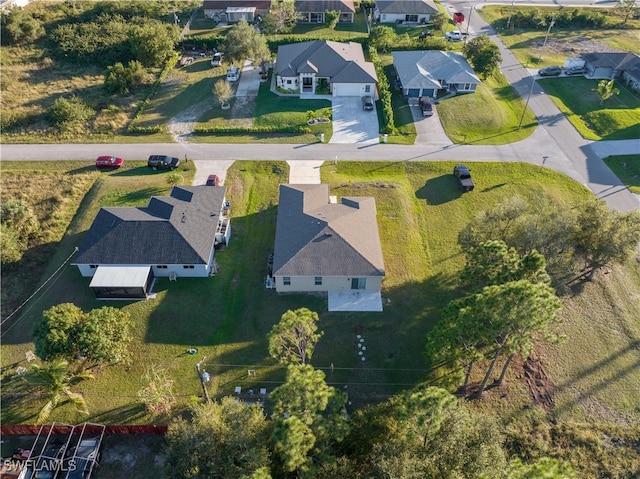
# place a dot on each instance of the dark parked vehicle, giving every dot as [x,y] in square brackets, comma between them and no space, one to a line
[163,161]
[575,71]
[367,102]
[550,71]
[213,180]
[426,106]
[463,175]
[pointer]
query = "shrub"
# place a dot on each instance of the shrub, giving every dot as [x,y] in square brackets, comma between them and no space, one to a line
[67,113]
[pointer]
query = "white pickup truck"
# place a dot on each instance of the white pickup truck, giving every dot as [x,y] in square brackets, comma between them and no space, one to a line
[455,36]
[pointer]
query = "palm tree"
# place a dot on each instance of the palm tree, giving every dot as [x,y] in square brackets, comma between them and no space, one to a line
[605,90]
[57,381]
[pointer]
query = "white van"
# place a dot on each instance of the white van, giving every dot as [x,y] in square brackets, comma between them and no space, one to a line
[233,73]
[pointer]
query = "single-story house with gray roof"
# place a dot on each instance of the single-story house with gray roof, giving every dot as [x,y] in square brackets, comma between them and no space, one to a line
[312,11]
[322,246]
[302,67]
[405,11]
[173,236]
[621,65]
[425,73]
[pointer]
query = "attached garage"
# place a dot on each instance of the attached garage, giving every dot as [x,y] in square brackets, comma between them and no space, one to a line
[122,282]
[348,89]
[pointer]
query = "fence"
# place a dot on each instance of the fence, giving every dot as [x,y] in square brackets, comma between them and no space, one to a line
[32,430]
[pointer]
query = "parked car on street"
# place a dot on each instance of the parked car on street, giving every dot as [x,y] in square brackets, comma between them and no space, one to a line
[367,102]
[455,36]
[213,180]
[553,71]
[462,173]
[109,162]
[163,162]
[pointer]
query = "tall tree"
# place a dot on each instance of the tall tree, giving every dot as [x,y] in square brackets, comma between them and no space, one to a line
[382,37]
[56,335]
[57,381]
[331,18]
[225,440]
[628,9]
[606,90]
[154,42]
[602,236]
[245,42]
[483,54]
[293,339]
[293,440]
[281,18]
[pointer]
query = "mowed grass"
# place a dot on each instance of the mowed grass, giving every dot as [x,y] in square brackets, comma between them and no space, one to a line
[227,316]
[526,44]
[490,116]
[618,118]
[627,168]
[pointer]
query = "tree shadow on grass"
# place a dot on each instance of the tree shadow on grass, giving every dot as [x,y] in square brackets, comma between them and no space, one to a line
[440,190]
[126,413]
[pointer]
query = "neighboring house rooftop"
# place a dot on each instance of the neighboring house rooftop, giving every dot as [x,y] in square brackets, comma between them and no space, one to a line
[219,5]
[317,238]
[427,69]
[342,62]
[324,5]
[408,7]
[628,62]
[175,229]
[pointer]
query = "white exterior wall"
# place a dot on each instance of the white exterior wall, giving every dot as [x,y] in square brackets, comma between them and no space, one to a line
[198,271]
[353,89]
[329,283]
[281,82]
[393,17]
[461,87]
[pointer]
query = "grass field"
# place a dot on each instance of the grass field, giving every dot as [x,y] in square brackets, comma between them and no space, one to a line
[627,168]
[617,119]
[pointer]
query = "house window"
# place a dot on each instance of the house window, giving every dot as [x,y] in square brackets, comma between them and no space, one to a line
[187,266]
[411,18]
[288,82]
[467,86]
[286,280]
[93,266]
[161,266]
[318,281]
[367,88]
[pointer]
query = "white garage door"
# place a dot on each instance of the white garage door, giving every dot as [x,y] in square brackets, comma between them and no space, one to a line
[347,89]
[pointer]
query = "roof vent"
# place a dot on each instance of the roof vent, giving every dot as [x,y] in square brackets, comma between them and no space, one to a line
[184,218]
[328,233]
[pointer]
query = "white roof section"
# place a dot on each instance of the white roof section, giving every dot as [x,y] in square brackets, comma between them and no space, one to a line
[120,276]
[241,9]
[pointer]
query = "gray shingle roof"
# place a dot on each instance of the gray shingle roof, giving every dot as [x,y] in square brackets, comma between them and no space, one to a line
[425,69]
[326,59]
[175,229]
[224,4]
[406,6]
[629,62]
[318,238]
[344,6]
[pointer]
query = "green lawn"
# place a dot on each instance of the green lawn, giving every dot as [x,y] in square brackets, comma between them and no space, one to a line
[617,119]
[627,168]
[493,115]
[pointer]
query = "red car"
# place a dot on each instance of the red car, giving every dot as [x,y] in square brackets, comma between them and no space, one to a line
[213,180]
[109,162]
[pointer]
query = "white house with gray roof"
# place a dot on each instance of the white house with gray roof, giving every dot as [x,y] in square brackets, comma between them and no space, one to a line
[326,247]
[173,236]
[425,73]
[313,11]
[405,11]
[302,67]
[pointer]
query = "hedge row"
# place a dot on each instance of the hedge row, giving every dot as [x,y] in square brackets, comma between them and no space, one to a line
[133,128]
[388,123]
[207,130]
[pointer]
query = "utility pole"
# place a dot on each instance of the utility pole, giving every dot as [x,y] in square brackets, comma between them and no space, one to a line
[466,35]
[510,14]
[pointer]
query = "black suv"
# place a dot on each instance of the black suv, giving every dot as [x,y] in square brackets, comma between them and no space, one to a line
[163,161]
[463,175]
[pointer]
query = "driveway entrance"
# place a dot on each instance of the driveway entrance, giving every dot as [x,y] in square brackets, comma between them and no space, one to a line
[352,124]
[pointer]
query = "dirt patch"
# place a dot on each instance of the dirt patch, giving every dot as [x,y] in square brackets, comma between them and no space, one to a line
[243,111]
[181,125]
[126,455]
[540,385]
[577,46]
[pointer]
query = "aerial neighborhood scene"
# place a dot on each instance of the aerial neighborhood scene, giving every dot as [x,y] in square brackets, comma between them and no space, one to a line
[320,239]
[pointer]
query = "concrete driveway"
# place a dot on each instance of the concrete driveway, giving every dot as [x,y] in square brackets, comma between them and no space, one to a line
[351,124]
[429,129]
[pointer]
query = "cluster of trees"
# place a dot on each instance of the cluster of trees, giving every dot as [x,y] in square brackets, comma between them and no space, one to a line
[576,240]
[384,38]
[539,19]
[20,228]
[425,432]
[20,27]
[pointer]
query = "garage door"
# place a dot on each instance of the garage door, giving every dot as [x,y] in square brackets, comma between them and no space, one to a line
[347,89]
[413,92]
[428,92]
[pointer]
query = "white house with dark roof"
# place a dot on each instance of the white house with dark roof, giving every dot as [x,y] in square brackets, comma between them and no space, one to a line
[425,73]
[301,67]
[173,236]
[312,11]
[233,10]
[327,247]
[405,11]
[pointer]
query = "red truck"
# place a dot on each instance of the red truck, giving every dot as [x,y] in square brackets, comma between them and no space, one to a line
[458,17]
